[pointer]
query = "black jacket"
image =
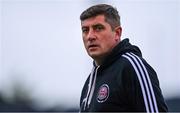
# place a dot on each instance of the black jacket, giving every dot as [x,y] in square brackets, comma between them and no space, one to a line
[124,82]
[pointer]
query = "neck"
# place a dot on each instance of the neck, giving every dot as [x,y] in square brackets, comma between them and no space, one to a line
[99,60]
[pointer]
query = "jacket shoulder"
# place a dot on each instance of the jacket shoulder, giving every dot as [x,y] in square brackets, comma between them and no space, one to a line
[143,83]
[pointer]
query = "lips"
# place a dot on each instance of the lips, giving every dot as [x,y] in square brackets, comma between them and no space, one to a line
[92,46]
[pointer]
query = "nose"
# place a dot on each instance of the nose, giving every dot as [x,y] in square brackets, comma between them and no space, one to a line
[91,35]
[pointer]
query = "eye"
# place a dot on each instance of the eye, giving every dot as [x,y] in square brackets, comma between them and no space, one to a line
[84,30]
[99,27]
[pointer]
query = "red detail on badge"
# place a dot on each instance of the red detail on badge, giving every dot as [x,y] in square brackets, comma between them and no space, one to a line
[103,93]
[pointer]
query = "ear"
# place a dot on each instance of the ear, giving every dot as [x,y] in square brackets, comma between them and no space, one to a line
[118,32]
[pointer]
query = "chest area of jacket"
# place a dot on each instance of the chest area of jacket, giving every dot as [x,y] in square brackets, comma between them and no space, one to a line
[107,91]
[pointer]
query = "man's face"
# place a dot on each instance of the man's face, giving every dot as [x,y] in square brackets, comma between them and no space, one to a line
[98,37]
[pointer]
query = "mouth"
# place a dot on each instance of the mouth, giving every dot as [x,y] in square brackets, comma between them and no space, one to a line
[92,46]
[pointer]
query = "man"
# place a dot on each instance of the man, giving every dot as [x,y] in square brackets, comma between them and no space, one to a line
[121,80]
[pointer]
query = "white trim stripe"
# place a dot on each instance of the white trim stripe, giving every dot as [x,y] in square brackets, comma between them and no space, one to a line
[144,80]
[140,80]
[93,86]
[89,88]
[149,82]
[142,74]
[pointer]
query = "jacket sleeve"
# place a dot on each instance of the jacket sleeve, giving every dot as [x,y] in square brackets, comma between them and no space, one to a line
[141,86]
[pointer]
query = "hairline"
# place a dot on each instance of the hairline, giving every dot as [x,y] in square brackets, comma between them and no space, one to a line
[105,19]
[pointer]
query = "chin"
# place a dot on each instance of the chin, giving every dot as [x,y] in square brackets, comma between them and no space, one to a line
[93,55]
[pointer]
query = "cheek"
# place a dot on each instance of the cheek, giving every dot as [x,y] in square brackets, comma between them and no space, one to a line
[107,39]
[108,42]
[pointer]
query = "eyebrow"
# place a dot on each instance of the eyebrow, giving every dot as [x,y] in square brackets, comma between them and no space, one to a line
[95,25]
[98,24]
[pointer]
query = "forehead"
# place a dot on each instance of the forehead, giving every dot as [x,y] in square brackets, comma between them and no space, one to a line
[100,19]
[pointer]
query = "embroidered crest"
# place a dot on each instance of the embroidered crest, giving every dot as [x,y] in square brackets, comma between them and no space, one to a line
[103,93]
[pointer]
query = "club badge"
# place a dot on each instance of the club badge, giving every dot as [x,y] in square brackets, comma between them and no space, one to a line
[103,93]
